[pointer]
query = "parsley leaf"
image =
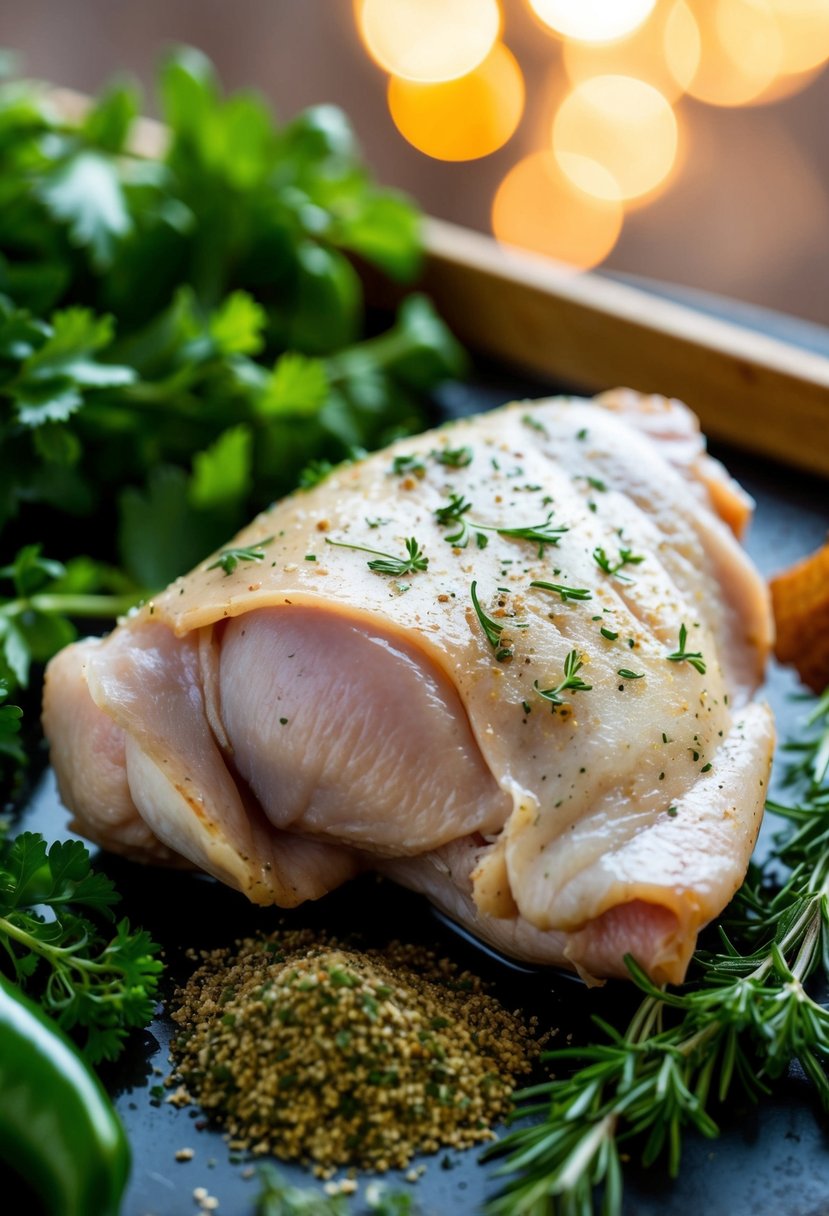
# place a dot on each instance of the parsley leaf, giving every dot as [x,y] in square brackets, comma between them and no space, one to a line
[95,981]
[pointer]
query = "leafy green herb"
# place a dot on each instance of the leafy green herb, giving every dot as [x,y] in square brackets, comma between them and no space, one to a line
[229,559]
[608,633]
[493,629]
[681,655]
[572,682]
[96,984]
[10,715]
[386,563]
[452,514]
[627,674]
[36,619]
[534,424]
[179,337]
[542,534]
[454,458]
[408,464]
[626,558]
[278,1197]
[566,593]
[314,473]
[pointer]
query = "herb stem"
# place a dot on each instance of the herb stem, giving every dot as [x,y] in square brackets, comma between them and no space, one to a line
[74,605]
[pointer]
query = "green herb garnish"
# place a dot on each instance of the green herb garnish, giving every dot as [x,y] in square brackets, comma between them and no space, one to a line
[452,514]
[542,534]
[681,655]
[626,558]
[454,458]
[572,682]
[408,464]
[386,563]
[626,674]
[566,593]
[493,629]
[229,559]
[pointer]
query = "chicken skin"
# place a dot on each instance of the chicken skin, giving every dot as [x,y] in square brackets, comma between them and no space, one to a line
[509,663]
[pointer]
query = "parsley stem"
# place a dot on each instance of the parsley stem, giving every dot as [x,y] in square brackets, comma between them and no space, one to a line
[76,605]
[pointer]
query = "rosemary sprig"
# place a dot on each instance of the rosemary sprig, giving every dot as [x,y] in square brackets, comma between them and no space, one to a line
[571,682]
[229,559]
[566,593]
[736,1028]
[386,563]
[681,655]
[492,628]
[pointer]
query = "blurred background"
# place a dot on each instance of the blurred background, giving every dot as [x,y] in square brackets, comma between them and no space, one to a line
[683,140]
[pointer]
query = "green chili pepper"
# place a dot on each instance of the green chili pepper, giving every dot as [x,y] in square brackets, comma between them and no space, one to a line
[57,1126]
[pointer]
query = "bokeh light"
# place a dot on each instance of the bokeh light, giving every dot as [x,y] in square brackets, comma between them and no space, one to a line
[741,51]
[465,118]
[592,20]
[643,53]
[537,207]
[428,40]
[804,32]
[620,126]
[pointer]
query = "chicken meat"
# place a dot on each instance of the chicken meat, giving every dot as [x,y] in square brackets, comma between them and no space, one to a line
[509,663]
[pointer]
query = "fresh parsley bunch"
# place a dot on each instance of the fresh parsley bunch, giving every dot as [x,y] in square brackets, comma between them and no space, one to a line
[181,335]
[59,943]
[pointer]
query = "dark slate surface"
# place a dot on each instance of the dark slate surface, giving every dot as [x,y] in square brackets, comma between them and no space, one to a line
[768,1160]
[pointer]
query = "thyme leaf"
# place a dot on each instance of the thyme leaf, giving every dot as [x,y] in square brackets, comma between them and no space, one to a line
[572,682]
[681,655]
[626,558]
[493,629]
[566,593]
[414,562]
[229,559]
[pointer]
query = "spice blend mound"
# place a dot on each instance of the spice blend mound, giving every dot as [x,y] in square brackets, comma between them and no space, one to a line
[308,1049]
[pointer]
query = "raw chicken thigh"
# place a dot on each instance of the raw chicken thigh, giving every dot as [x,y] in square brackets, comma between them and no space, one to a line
[508,663]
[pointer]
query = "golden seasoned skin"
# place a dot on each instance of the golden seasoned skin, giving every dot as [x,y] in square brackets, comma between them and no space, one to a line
[389,711]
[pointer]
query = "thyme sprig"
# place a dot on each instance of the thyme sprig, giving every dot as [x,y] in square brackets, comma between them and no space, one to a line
[626,558]
[543,534]
[452,514]
[681,655]
[414,562]
[453,458]
[734,1029]
[229,559]
[493,629]
[572,682]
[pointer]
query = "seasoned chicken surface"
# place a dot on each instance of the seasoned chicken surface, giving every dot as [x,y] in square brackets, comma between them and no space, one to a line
[509,663]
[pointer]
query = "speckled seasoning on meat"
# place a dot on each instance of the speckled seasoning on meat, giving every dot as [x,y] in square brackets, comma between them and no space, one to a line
[371,676]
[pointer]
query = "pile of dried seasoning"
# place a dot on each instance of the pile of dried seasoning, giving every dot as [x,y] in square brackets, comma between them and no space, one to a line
[310,1050]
